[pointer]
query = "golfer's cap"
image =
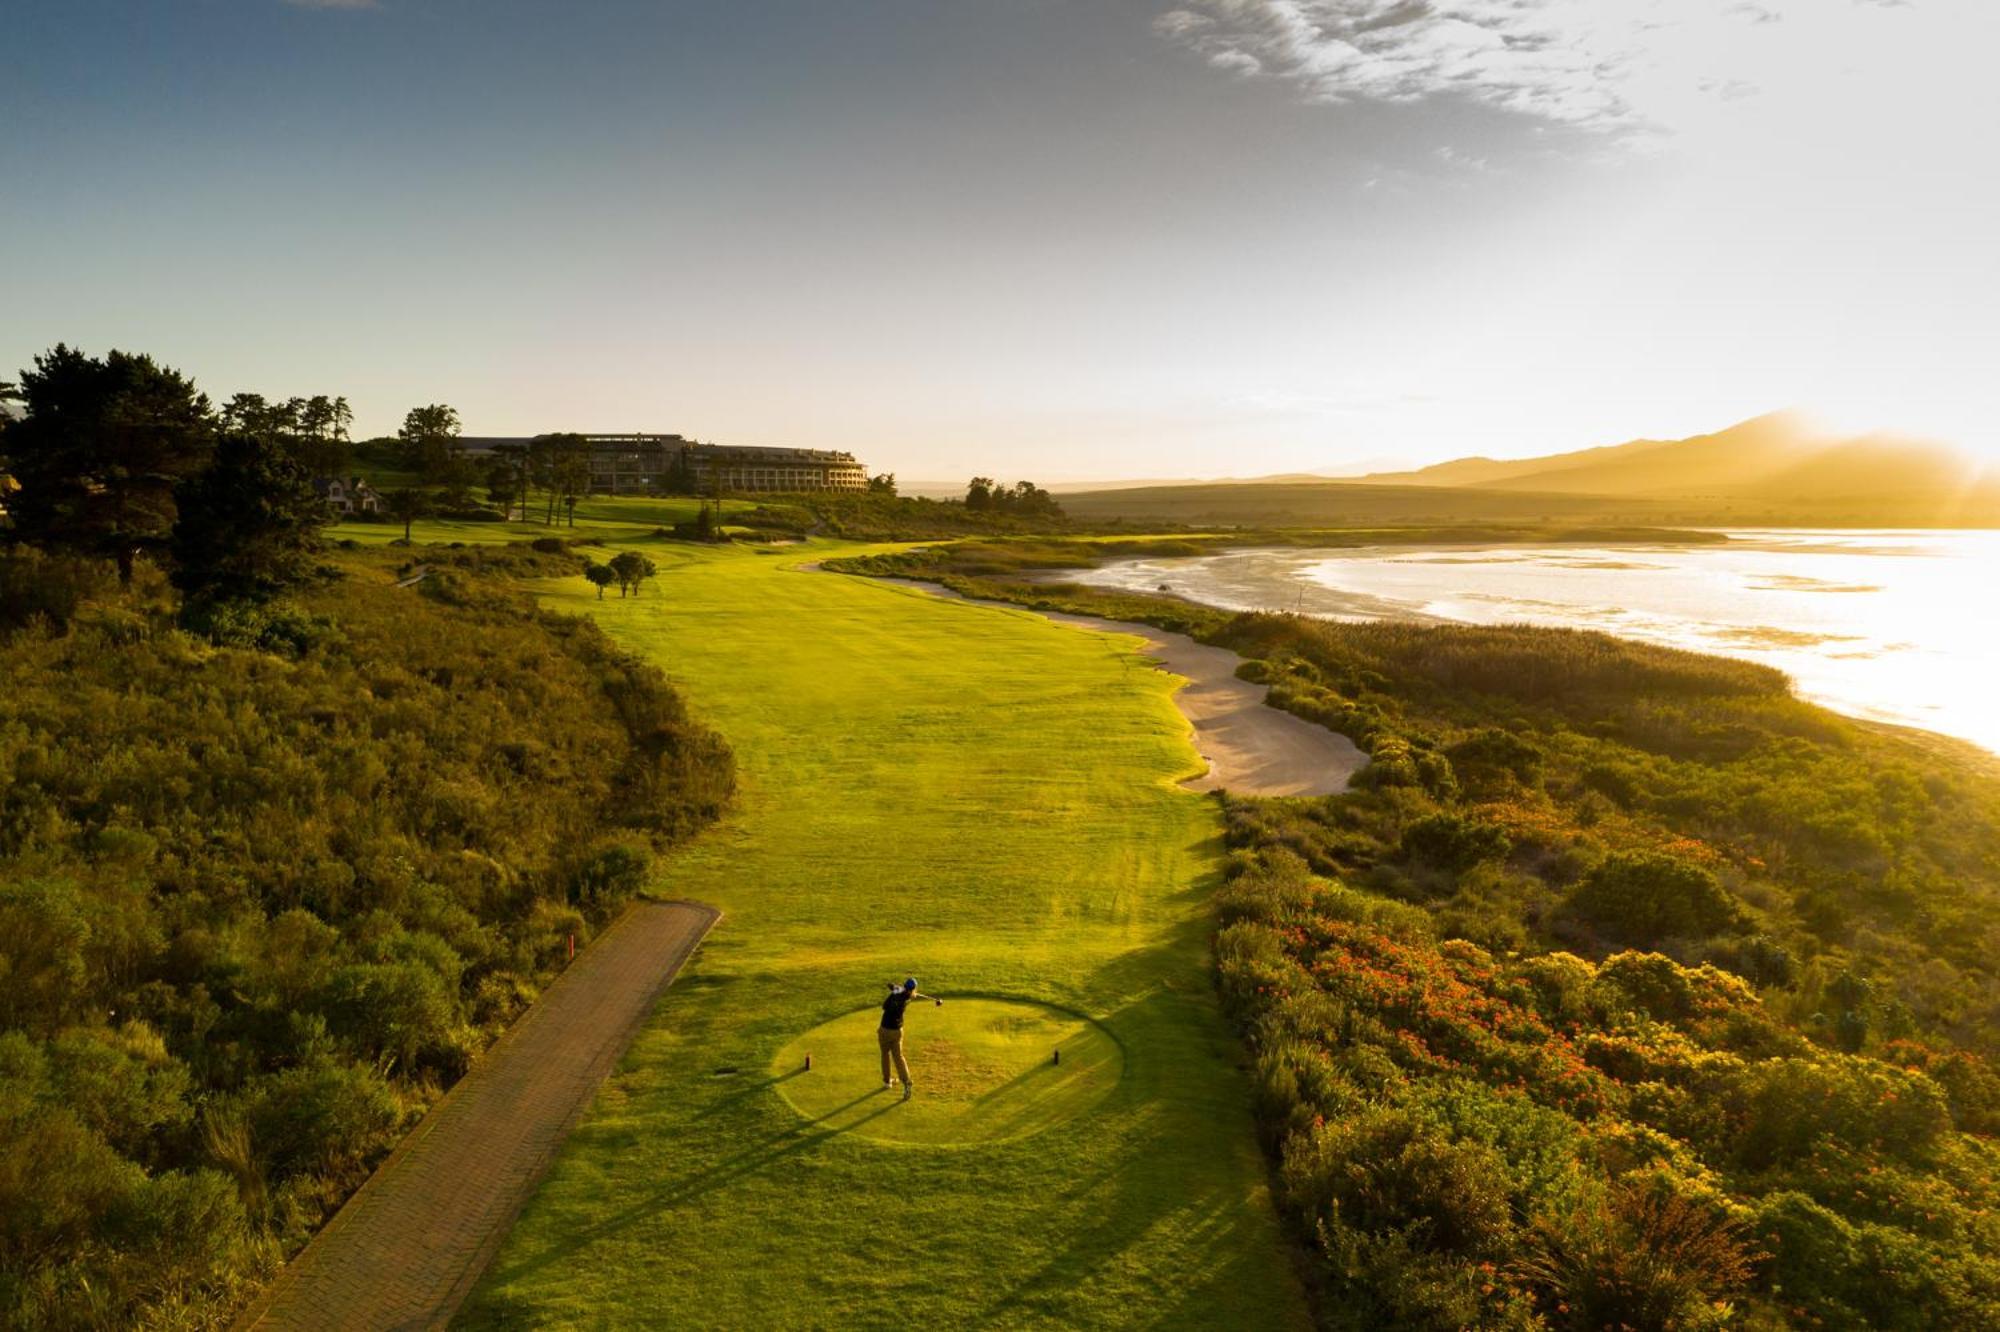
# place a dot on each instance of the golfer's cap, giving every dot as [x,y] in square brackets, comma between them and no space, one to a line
[910,983]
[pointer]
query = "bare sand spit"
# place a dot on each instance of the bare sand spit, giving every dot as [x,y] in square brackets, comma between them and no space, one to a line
[1250,749]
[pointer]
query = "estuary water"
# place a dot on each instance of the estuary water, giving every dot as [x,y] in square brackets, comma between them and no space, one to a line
[1899,626]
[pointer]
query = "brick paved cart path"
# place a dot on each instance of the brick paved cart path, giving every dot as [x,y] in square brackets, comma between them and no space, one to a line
[408,1246]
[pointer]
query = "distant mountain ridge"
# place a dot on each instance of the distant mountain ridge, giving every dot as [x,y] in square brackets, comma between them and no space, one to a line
[1780,458]
[1778,469]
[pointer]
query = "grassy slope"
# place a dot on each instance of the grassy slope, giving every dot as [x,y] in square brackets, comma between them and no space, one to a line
[602,517]
[1346,504]
[986,800]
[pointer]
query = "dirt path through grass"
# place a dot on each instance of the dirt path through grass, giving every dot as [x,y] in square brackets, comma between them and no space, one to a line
[409,1244]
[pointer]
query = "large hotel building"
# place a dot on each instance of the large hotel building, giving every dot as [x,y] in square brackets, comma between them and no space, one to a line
[642,464]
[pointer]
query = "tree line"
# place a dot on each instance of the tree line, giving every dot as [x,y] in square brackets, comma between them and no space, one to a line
[1023,499]
[549,473]
[120,458]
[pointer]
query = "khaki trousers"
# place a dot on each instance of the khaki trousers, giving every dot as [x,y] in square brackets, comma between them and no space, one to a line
[892,1049]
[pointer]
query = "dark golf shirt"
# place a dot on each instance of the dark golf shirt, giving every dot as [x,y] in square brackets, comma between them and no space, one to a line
[892,1009]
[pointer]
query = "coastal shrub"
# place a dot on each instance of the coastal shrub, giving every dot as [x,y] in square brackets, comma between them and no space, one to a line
[65,1193]
[612,871]
[1453,842]
[1646,983]
[1970,1084]
[328,1117]
[1759,959]
[263,895]
[515,559]
[120,1083]
[1544,1141]
[1574,666]
[400,1011]
[1491,760]
[45,932]
[1640,897]
[1834,1272]
[1394,762]
[46,589]
[1388,1171]
[1642,1254]
[261,627]
[1789,1108]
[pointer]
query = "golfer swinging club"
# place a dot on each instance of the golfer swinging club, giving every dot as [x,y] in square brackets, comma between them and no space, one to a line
[891,1034]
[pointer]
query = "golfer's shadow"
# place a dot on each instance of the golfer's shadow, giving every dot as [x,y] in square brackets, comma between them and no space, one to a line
[707,1180]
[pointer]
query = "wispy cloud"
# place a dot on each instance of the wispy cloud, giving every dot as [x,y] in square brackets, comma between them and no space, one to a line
[1613,65]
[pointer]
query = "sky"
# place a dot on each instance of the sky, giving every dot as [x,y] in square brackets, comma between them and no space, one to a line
[1057,239]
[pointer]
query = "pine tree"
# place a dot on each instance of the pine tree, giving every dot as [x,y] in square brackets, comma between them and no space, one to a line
[100,452]
[249,525]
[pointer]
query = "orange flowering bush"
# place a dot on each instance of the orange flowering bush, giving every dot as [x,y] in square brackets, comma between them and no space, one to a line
[1468,1140]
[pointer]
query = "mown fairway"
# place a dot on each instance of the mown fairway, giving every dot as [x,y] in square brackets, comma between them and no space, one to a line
[982,799]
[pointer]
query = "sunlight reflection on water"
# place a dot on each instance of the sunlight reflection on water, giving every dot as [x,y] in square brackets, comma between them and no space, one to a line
[1894,625]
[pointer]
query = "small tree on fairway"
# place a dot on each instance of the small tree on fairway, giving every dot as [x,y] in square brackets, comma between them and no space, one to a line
[602,575]
[249,524]
[100,451]
[409,504]
[631,569]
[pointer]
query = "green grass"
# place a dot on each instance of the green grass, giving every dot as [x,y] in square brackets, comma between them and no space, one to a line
[600,518]
[987,801]
[987,1067]
[442,532]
